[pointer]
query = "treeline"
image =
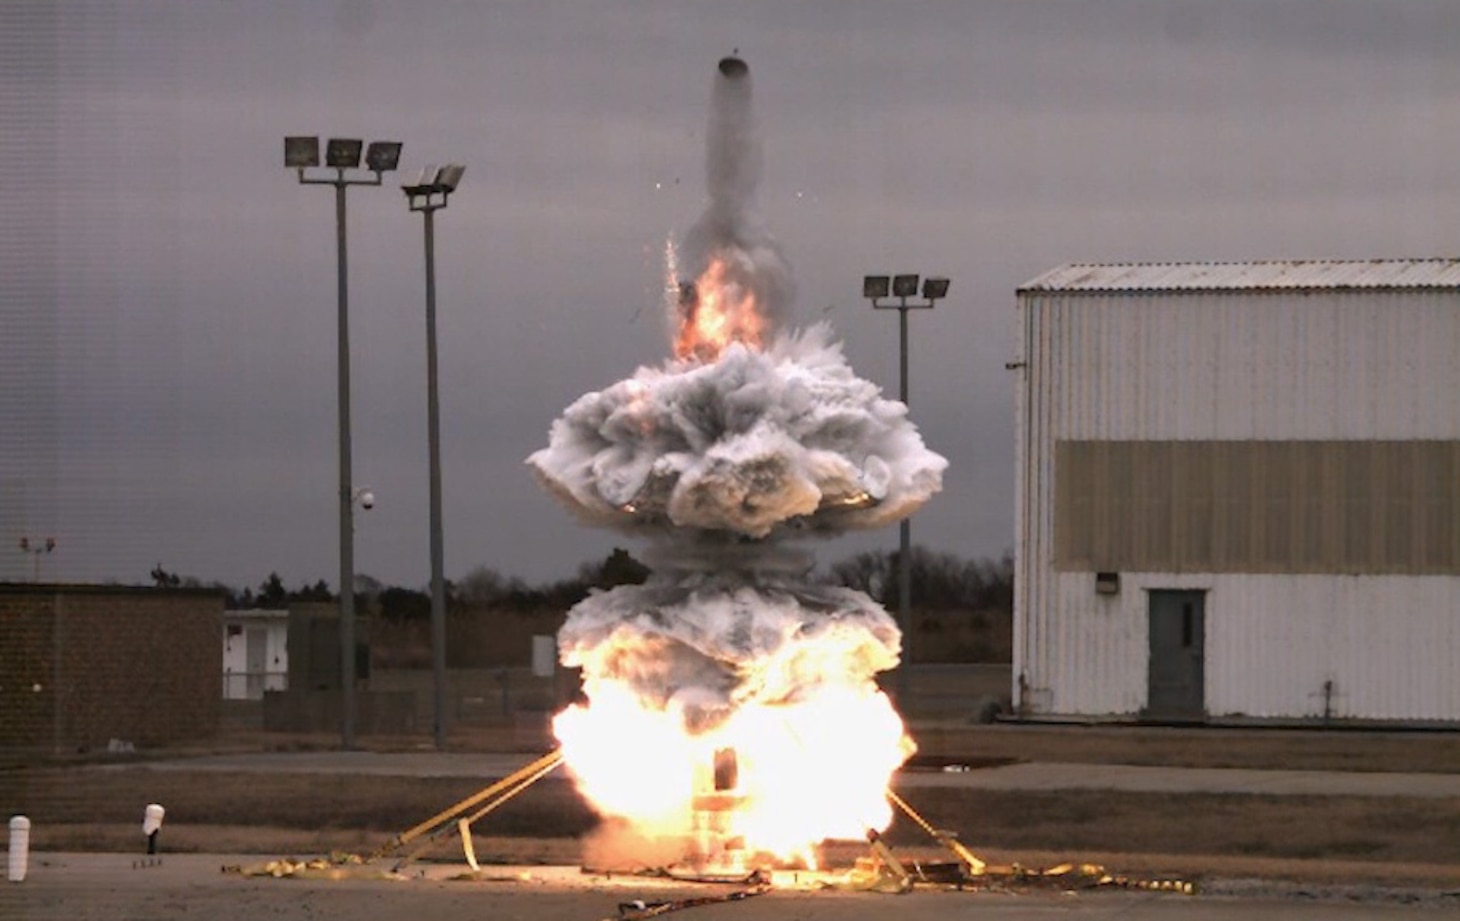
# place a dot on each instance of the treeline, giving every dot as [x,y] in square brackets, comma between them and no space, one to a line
[939,582]
[481,586]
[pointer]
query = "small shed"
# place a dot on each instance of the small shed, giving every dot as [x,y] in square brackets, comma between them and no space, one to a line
[255,653]
[1238,493]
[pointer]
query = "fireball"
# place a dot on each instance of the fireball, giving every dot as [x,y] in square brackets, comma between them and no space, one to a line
[804,771]
[716,309]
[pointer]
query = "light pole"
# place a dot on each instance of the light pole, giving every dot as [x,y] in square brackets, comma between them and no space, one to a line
[902,287]
[35,549]
[428,193]
[301,153]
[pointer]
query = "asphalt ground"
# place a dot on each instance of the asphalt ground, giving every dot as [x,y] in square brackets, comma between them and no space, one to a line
[93,887]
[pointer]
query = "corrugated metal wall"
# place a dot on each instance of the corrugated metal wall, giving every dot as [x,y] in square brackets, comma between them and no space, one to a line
[1294,365]
[1339,507]
[1308,366]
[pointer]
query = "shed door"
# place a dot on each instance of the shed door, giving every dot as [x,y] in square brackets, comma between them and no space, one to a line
[1175,675]
[256,655]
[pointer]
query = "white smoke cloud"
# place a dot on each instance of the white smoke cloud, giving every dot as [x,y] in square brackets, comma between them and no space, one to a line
[715,457]
[702,645]
[759,444]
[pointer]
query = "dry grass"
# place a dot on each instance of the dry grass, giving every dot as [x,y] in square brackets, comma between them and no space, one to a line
[1399,841]
[1259,749]
[1433,751]
[314,802]
[89,809]
[1291,827]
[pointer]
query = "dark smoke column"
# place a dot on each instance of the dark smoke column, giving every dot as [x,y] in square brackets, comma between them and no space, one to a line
[730,230]
[722,460]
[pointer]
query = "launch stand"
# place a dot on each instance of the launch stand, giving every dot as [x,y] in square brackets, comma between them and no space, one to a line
[714,855]
[714,860]
[451,819]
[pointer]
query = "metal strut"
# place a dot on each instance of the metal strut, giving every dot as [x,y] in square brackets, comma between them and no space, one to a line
[972,864]
[494,795]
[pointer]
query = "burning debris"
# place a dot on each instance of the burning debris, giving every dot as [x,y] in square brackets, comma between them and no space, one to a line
[729,282]
[750,691]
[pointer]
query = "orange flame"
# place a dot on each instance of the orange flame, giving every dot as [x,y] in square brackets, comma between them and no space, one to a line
[714,311]
[810,770]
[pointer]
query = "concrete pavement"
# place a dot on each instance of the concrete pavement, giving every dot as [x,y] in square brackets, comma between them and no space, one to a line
[105,887]
[1028,776]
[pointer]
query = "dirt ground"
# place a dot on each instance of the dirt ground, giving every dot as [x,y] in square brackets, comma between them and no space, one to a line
[1355,844]
[1432,751]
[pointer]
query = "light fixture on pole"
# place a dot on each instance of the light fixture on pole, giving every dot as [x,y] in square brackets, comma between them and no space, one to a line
[342,155]
[36,549]
[428,193]
[902,287]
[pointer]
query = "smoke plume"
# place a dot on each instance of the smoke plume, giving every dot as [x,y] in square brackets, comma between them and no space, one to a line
[751,435]
[730,229]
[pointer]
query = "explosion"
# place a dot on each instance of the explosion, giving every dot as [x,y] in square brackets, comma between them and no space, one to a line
[730,704]
[716,310]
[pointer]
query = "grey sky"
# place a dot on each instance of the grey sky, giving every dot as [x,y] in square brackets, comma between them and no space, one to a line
[167,321]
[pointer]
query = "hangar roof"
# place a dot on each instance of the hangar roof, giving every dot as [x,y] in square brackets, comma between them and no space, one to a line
[1315,274]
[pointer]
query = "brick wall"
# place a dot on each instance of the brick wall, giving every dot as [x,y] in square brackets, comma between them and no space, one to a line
[136,664]
[27,693]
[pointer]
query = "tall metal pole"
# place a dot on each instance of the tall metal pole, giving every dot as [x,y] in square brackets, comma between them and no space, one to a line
[431,191]
[433,423]
[302,153]
[875,288]
[347,493]
[904,531]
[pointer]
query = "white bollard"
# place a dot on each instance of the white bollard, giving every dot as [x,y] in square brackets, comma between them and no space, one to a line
[151,823]
[19,847]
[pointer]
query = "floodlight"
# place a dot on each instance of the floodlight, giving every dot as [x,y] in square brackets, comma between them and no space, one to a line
[450,176]
[382,156]
[342,156]
[903,287]
[935,288]
[301,152]
[426,193]
[343,153]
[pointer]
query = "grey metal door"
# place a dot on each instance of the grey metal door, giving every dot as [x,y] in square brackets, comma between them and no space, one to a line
[1177,630]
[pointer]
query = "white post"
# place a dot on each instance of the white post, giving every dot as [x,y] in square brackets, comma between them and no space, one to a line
[19,847]
[151,822]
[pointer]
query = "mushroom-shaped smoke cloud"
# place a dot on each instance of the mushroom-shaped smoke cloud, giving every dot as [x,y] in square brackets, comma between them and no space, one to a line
[758,443]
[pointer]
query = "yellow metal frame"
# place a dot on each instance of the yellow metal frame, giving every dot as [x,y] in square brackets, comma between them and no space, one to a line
[494,795]
[972,864]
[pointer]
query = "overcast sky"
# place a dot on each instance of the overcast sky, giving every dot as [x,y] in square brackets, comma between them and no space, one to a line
[167,289]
